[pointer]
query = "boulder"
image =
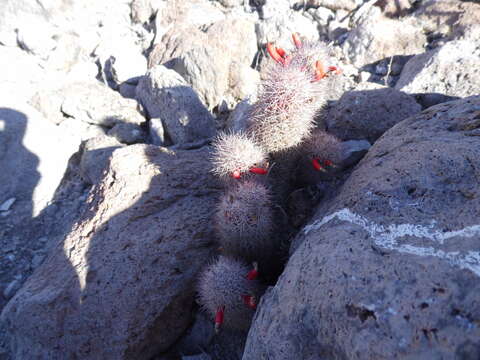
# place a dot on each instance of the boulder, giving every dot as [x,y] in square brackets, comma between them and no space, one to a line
[376,37]
[367,114]
[390,267]
[95,103]
[96,153]
[166,95]
[211,61]
[447,18]
[121,284]
[451,70]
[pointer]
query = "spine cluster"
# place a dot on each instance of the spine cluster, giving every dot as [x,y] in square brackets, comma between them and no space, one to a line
[280,123]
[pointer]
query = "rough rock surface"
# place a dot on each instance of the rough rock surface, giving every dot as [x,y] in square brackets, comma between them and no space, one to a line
[390,269]
[166,95]
[95,103]
[367,114]
[121,284]
[452,70]
[372,39]
[96,153]
[447,18]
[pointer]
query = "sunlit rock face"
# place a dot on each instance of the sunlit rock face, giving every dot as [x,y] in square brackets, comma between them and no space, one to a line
[391,265]
[121,284]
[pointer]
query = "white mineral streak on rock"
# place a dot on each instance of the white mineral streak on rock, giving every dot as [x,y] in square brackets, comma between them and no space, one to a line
[387,237]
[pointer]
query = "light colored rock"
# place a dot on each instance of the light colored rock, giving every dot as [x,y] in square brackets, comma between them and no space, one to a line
[121,284]
[156,131]
[15,14]
[376,37]
[243,80]
[449,70]
[391,264]
[176,14]
[7,204]
[279,27]
[127,66]
[97,104]
[33,156]
[209,67]
[166,95]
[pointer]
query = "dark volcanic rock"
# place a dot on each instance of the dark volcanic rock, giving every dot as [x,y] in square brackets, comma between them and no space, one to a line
[367,114]
[390,268]
[121,284]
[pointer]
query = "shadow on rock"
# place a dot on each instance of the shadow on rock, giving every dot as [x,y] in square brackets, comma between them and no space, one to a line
[121,284]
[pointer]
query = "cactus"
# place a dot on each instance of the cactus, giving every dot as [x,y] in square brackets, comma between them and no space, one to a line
[288,101]
[289,97]
[323,150]
[235,155]
[244,220]
[312,55]
[228,291]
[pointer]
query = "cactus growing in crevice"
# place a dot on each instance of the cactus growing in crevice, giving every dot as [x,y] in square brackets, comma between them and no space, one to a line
[323,150]
[236,155]
[289,97]
[228,291]
[244,220]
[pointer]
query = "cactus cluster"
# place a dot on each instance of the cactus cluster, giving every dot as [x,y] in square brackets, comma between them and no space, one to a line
[279,124]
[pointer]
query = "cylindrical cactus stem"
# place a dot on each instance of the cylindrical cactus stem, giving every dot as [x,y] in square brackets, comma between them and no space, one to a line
[288,100]
[245,222]
[236,156]
[228,294]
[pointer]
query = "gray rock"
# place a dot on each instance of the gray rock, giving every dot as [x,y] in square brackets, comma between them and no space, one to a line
[237,120]
[367,114]
[198,336]
[96,153]
[166,95]
[206,69]
[449,70]
[127,133]
[447,18]
[390,266]
[371,39]
[127,90]
[12,288]
[354,151]
[214,68]
[174,43]
[121,284]
[97,104]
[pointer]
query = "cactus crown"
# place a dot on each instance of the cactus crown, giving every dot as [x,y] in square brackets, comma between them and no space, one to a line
[236,152]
